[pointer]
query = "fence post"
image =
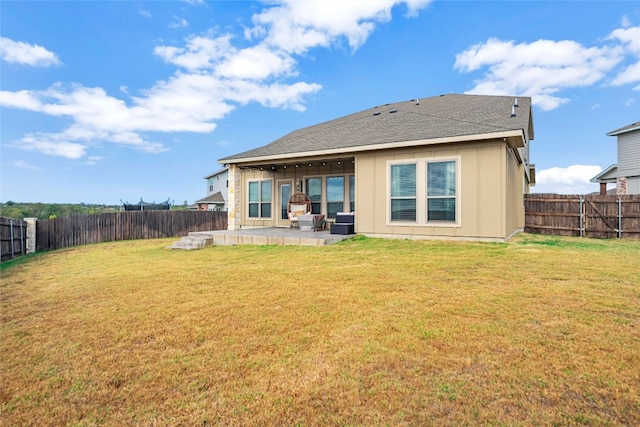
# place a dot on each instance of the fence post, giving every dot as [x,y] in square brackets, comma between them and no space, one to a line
[31,235]
[619,218]
[13,243]
[581,217]
[22,238]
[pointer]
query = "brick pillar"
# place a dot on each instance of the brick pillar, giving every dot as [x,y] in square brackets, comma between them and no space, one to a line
[234,198]
[31,235]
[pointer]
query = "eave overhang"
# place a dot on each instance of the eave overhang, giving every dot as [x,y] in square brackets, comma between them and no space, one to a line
[514,139]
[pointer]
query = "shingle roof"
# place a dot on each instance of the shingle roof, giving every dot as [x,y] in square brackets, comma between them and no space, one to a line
[625,129]
[212,198]
[441,116]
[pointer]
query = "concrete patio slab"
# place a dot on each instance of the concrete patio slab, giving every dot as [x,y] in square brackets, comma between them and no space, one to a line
[259,236]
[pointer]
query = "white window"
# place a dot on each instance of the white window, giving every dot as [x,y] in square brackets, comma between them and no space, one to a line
[424,191]
[441,191]
[260,199]
[403,192]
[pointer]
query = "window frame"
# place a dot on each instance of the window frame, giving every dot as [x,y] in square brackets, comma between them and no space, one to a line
[391,197]
[315,203]
[421,192]
[441,197]
[326,192]
[260,202]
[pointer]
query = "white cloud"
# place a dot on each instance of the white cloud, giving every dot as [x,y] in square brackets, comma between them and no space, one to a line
[570,180]
[52,145]
[93,160]
[256,63]
[630,102]
[539,69]
[200,52]
[25,165]
[631,74]
[629,37]
[296,26]
[625,22]
[214,76]
[178,23]
[24,53]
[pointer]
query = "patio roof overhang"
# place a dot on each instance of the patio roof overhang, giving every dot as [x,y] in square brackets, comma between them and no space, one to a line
[514,138]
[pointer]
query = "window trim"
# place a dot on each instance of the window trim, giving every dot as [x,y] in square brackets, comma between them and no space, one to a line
[390,198]
[421,192]
[260,202]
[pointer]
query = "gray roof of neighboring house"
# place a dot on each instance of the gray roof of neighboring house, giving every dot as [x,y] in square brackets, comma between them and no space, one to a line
[625,129]
[212,198]
[608,175]
[443,116]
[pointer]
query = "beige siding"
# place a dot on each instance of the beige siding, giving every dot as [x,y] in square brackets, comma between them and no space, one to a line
[490,192]
[514,193]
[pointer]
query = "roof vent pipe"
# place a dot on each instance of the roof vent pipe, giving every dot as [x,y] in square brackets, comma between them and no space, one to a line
[515,103]
[513,111]
[417,101]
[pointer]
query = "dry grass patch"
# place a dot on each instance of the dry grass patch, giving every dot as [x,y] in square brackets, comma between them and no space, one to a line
[541,330]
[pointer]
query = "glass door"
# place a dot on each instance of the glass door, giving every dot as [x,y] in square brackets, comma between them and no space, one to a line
[284,192]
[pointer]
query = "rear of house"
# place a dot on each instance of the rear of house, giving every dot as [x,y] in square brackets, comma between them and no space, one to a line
[451,166]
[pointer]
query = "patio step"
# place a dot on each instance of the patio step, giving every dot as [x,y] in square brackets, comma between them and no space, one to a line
[262,236]
[194,240]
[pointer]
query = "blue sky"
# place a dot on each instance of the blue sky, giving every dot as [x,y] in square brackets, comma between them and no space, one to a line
[107,101]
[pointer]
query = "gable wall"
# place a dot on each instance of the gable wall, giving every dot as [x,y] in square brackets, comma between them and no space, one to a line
[490,207]
[629,153]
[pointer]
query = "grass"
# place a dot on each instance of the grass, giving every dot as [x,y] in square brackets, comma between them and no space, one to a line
[540,330]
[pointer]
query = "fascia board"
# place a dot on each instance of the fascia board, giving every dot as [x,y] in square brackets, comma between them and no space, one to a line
[514,139]
[623,130]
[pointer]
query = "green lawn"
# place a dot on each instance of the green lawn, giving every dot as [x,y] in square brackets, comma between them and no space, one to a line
[538,331]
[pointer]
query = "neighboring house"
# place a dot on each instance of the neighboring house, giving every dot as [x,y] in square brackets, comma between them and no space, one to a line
[217,190]
[451,166]
[626,173]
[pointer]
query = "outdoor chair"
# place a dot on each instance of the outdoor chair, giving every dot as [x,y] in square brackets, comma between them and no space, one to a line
[299,204]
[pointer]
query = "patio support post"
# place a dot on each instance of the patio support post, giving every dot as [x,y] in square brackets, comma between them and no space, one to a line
[603,188]
[234,199]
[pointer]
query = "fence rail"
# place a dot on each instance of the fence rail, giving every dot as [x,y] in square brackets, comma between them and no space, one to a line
[77,230]
[584,216]
[13,238]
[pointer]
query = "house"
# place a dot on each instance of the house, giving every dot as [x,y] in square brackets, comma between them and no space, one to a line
[626,173]
[217,183]
[450,166]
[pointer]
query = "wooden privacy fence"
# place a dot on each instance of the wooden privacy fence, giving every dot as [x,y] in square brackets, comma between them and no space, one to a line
[584,216]
[13,238]
[108,227]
